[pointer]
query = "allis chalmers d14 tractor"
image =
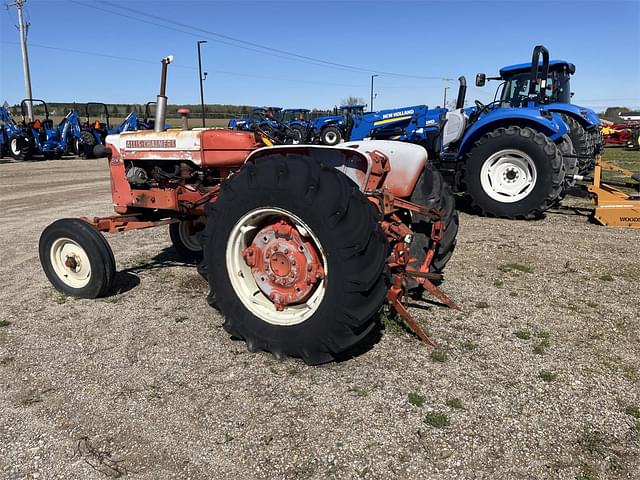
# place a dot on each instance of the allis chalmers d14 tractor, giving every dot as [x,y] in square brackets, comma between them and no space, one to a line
[301,245]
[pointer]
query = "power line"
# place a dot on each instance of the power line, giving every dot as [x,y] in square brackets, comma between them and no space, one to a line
[239,43]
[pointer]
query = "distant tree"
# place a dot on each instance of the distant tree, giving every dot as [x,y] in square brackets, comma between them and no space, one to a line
[115,111]
[351,100]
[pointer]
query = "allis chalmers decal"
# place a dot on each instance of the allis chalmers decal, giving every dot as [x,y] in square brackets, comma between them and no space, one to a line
[157,143]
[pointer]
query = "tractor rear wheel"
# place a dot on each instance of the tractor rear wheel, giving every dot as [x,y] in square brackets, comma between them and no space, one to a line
[330,136]
[583,143]
[296,259]
[514,172]
[298,134]
[185,236]
[76,258]
[19,148]
[570,164]
[87,142]
[433,192]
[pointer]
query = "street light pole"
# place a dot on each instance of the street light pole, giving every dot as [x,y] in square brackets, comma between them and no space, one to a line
[372,77]
[202,79]
[444,105]
[22,28]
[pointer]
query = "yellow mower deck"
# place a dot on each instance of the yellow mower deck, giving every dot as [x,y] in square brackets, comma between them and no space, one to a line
[614,208]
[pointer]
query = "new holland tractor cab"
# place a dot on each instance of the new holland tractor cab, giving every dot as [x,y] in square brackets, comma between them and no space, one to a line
[40,136]
[511,162]
[549,88]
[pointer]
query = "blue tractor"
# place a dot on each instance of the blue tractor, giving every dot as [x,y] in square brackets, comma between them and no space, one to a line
[546,84]
[300,126]
[41,136]
[511,162]
[9,133]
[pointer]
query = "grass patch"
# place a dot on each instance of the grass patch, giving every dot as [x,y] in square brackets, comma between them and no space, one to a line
[4,323]
[360,392]
[522,334]
[633,410]
[482,305]
[516,267]
[548,376]
[416,399]
[439,356]
[498,283]
[469,346]
[436,419]
[6,360]
[455,403]
[541,347]
[542,334]
[60,298]
[606,277]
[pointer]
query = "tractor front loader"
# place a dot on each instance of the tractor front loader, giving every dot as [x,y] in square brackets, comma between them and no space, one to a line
[301,245]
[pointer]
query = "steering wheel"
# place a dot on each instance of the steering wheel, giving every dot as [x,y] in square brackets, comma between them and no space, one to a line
[479,105]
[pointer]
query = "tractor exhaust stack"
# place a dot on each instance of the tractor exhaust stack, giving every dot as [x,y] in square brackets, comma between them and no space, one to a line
[462,92]
[161,99]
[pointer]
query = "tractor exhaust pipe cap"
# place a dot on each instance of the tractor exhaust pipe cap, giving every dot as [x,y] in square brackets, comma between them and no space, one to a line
[161,99]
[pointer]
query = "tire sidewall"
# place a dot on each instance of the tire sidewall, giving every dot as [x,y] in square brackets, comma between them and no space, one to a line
[337,133]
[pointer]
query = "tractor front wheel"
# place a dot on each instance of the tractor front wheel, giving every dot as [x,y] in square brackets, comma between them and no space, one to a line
[298,134]
[331,136]
[514,172]
[296,259]
[19,148]
[76,258]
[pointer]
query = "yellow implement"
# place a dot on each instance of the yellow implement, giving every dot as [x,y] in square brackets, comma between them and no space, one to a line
[615,208]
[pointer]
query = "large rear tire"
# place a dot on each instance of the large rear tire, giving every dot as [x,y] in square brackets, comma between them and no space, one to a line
[340,228]
[565,145]
[514,172]
[76,258]
[433,192]
[87,142]
[583,143]
[298,134]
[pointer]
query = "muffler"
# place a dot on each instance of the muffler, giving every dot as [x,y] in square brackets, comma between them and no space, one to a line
[161,99]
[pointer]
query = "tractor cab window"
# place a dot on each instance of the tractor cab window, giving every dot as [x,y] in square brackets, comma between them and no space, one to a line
[516,89]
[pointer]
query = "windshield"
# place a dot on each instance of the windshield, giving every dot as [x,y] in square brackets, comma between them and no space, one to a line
[290,115]
[516,89]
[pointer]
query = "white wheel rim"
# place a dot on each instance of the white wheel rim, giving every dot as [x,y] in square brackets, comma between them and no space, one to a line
[242,279]
[330,137]
[508,176]
[70,262]
[188,239]
[14,145]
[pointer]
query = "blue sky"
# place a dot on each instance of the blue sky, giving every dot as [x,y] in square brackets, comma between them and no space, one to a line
[423,39]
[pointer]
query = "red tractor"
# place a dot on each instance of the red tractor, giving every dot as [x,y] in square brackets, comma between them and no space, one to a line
[301,245]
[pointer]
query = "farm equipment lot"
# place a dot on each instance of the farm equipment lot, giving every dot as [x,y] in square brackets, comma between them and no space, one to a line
[538,376]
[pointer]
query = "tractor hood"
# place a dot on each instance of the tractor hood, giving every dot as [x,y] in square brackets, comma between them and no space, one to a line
[587,117]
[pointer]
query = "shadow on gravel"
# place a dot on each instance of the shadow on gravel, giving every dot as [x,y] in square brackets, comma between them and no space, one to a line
[124,282]
[168,257]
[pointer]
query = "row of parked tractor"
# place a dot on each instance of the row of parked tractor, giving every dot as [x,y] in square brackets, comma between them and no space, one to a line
[73,135]
[514,157]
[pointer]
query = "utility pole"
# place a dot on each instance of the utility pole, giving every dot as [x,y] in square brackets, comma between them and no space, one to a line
[22,28]
[202,79]
[444,105]
[372,77]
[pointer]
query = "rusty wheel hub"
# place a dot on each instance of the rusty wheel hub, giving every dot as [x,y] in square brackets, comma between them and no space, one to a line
[285,266]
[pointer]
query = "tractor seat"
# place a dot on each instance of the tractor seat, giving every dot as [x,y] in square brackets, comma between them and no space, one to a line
[47,124]
[454,127]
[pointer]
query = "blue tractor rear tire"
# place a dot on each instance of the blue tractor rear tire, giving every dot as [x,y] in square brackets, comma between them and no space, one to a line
[330,136]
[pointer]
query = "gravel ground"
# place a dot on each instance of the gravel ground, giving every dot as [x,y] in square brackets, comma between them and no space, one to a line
[538,376]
